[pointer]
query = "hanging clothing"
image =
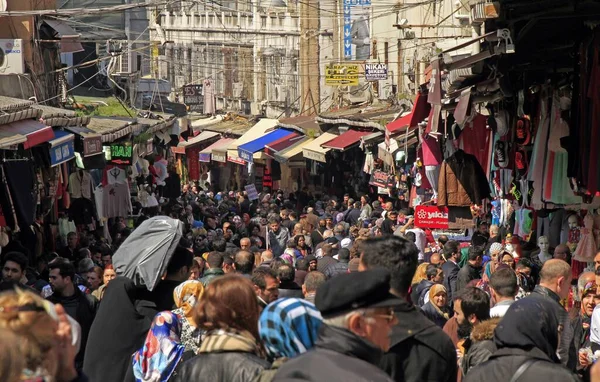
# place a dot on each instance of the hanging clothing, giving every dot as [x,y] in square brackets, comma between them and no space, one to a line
[208,91]
[462,181]
[433,175]
[432,154]
[586,248]
[115,175]
[20,176]
[116,201]
[475,140]
[80,185]
[538,155]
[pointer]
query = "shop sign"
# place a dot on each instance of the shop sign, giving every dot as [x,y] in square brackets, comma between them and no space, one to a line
[381,179]
[341,75]
[62,153]
[246,155]
[193,98]
[431,217]
[251,191]
[121,153]
[219,156]
[309,154]
[204,157]
[236,160]
[92,146]
[375,72]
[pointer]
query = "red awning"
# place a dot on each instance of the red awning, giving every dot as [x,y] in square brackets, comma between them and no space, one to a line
[345,140]
[34,131]
[419,112]
[282,143]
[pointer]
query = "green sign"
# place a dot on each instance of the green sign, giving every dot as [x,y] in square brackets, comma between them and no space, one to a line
[121,153]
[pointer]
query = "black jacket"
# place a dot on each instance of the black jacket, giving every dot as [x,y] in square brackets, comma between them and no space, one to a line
[420,351]
[566,349]
[504,363]
[290,289]
[352,216]
[450,275]
[121,326]
[81,307]
[466,274]
[338,355]
[225,366]
[419,290]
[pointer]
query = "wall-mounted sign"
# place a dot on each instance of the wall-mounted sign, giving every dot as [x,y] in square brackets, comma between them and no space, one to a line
[62,152]
[246,155]
[357,35]
[431,217]
[92,145]
[341,75]
[121,153]
[381,179]
[204,157]
[193,98]
[219,156]
[236,160]
[375,72]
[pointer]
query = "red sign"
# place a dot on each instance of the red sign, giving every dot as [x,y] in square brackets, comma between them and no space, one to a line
[431,217]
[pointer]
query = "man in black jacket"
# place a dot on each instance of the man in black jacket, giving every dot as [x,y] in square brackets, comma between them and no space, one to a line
[451,268]
[78,305]
[555,284]
[471,270]
[419,349]
[356,326]
[287,286]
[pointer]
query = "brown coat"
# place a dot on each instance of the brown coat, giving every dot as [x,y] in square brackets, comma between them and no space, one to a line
[450,190]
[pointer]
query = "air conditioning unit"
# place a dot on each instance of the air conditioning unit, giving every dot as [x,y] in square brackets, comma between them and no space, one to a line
[280,93]
[237,89]
[11,56]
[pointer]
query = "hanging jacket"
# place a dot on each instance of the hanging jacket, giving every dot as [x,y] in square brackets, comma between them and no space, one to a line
[462,181]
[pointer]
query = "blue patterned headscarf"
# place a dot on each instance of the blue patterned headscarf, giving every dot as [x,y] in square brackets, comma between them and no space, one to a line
[162,350]
[289,327]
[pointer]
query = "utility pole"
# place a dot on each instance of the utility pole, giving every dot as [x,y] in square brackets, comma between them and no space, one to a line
[309,57]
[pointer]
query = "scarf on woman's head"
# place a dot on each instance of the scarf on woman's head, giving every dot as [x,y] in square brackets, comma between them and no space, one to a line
[186,295]
[434,291]
[162,350]
[289,327]
[220,340]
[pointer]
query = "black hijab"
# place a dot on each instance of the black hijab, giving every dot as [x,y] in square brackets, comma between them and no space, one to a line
[529,323]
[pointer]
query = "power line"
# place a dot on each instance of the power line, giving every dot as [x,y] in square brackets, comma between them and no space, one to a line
[83,11]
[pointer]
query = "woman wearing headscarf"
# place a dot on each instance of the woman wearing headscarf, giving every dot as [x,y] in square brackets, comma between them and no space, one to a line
[288,327]
[436,309]
[527,340]
[231,350]
[186,295]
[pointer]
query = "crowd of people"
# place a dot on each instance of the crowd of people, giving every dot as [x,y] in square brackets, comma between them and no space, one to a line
[297,287]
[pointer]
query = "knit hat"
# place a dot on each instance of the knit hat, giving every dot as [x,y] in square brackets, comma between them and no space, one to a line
[496,248]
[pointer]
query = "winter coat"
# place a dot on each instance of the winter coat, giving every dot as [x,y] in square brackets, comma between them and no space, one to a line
[417,296]
[232,366]
[566,348]
[290,289]
[419,350]
[481,344]
[504,363]
[82,308]
[466,274]
[462,181]
[338,355]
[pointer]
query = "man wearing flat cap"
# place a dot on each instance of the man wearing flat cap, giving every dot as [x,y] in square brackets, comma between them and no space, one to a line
[357,323]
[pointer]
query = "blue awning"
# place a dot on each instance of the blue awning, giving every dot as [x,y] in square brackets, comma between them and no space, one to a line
[247,150]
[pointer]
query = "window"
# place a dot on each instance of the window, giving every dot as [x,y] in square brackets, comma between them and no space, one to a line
[386,56]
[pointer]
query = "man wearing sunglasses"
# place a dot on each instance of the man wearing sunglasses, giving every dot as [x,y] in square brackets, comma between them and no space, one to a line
[357,324]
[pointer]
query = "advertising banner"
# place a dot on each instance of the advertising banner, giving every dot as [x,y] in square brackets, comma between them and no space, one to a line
[431,217]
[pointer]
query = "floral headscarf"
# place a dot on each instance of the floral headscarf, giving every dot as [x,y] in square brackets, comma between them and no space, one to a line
[186,295]
[162,350]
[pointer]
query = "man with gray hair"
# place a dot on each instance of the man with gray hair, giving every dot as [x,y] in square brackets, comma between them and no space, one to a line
[312,282]
[357,323]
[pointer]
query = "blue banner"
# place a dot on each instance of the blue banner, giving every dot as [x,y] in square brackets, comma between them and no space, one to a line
[62,153]
[246,155]
[357,29]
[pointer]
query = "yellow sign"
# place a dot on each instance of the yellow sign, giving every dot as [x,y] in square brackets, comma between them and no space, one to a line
[341,75]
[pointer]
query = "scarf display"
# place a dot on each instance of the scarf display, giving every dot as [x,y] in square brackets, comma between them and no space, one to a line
[162,350]
[229,340]
[289,327]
